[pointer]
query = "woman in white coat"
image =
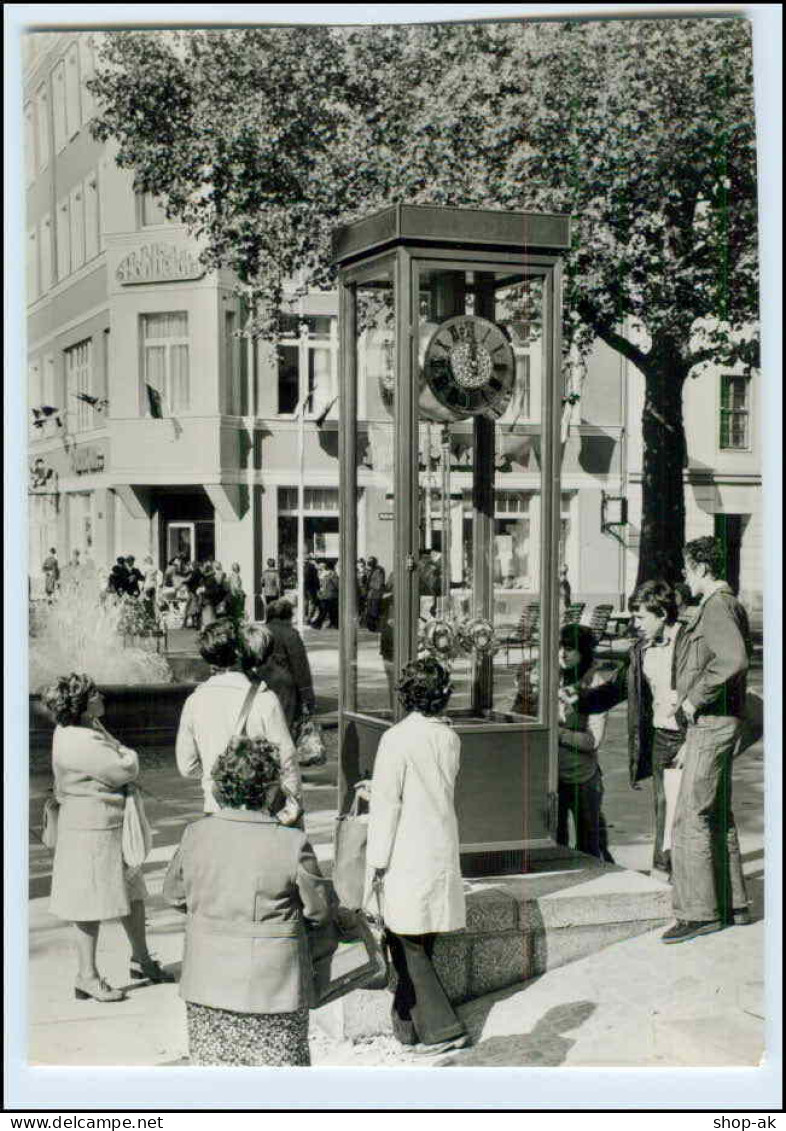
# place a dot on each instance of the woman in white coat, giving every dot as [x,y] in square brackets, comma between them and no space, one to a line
[413,854]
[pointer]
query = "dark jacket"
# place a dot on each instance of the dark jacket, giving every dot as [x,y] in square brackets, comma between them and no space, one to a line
[630,685]
[251,887]
[712,669]
[288,672]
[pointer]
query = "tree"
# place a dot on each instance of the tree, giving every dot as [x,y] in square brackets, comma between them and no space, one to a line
[263,140]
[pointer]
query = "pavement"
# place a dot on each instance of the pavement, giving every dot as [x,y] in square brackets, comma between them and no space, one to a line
[635,1003]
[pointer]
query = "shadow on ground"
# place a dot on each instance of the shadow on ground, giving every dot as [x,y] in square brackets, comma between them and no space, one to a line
[545,1046]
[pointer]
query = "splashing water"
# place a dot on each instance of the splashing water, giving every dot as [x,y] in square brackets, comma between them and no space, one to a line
[81,631]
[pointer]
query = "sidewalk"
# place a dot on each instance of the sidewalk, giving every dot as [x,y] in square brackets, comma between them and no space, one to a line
[637,1002]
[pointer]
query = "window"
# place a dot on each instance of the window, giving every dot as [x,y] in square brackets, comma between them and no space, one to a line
[735,413]
[308,365]
[77,219]
[288,378]
[92,217]
[59,106]
[87,69]
[151,210]
[30,162]
[165,363]
[42,122]
[63,235]
[50,396]
[46,254]
[32,266]
[233,375]
[314,499]
[73,113]
[79,380]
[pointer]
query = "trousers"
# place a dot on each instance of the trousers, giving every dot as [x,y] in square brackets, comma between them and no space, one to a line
[705,854]
[665,747]
[421,1010]
[584,802]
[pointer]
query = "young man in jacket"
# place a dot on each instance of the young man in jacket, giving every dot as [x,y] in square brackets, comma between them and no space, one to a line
[647,680]
[709,888]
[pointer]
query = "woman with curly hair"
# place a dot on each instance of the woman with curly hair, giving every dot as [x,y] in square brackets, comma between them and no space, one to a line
[413,854]
[250,888]
[90,882]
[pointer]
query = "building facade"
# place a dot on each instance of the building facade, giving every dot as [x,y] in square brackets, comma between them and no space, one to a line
[154,428]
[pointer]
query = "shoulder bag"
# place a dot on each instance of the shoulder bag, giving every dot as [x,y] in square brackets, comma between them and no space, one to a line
[49,822]
[349,856]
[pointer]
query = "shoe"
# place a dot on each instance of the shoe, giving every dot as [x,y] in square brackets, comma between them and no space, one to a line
[742,917]
[98,990]
[149,970]
[451,1045]
[683,932]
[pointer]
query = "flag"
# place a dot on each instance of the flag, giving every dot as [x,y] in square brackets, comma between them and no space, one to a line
[155,402]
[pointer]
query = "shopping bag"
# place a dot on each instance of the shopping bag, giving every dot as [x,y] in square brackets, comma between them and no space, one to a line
[358,960]
[310,742]
[137,838]
[672,780]
[349,857]
[49,821]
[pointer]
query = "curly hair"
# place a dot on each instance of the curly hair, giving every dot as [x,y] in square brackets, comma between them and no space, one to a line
[579,638]
[66,699]
[424,686]
[709,552]
[656,597]
[218,644]
[280,610]
[244,773]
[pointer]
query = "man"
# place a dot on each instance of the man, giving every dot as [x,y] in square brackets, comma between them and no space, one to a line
[328,597]
[135,577]
[647,681]
[376,587]
[51,570]
[311,587]
[709,888]
[271,582]
[118,578]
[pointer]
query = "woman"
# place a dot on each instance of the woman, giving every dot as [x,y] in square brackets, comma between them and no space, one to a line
[580,789]
[250,888]
[287,670]
[413,854]
[236,599]
[210,716]
[151,584]
[90,882]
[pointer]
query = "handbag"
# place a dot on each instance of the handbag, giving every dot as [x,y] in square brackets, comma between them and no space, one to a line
[349,856]
[356,960]
[49,821]
[137,836]
[310,742]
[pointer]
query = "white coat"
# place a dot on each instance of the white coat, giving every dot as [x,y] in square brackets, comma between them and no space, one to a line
[412,828]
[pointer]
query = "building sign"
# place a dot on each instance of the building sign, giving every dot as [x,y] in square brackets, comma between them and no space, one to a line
[159,263]
[88,459]
[385,516]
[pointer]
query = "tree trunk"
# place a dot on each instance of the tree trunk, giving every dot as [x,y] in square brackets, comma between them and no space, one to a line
[664,459]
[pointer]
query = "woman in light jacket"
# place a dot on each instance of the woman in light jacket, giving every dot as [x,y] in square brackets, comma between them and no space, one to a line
[90,882]
[250,888]
[413,854]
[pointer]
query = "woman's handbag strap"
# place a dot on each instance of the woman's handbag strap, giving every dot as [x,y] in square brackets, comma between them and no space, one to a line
[245,710]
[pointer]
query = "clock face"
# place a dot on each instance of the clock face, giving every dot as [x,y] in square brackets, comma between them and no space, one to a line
[469,367]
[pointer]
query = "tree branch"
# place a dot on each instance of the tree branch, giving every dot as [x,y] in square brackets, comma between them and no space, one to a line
[612,338]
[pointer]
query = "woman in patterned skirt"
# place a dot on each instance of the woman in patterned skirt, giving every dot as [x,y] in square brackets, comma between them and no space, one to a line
[250,887]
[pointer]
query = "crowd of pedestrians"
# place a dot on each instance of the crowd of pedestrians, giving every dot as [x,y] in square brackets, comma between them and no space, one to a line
[247,877]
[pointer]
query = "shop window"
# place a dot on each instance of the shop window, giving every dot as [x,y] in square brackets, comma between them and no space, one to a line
[59,105]
[77,222]
[63,236]
[79,383]
[32,265]
[42,123]
[73,111]
[735,413]
[165,363]
[92,217]
[151,211]
[30,154]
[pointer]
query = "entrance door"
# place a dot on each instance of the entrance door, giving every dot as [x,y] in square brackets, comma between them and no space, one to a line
[180,540]
[729,527]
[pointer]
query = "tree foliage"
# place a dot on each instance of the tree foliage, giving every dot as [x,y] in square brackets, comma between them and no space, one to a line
[263,140]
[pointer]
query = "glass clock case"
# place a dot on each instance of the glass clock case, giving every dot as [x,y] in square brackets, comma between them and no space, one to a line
[451,396]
